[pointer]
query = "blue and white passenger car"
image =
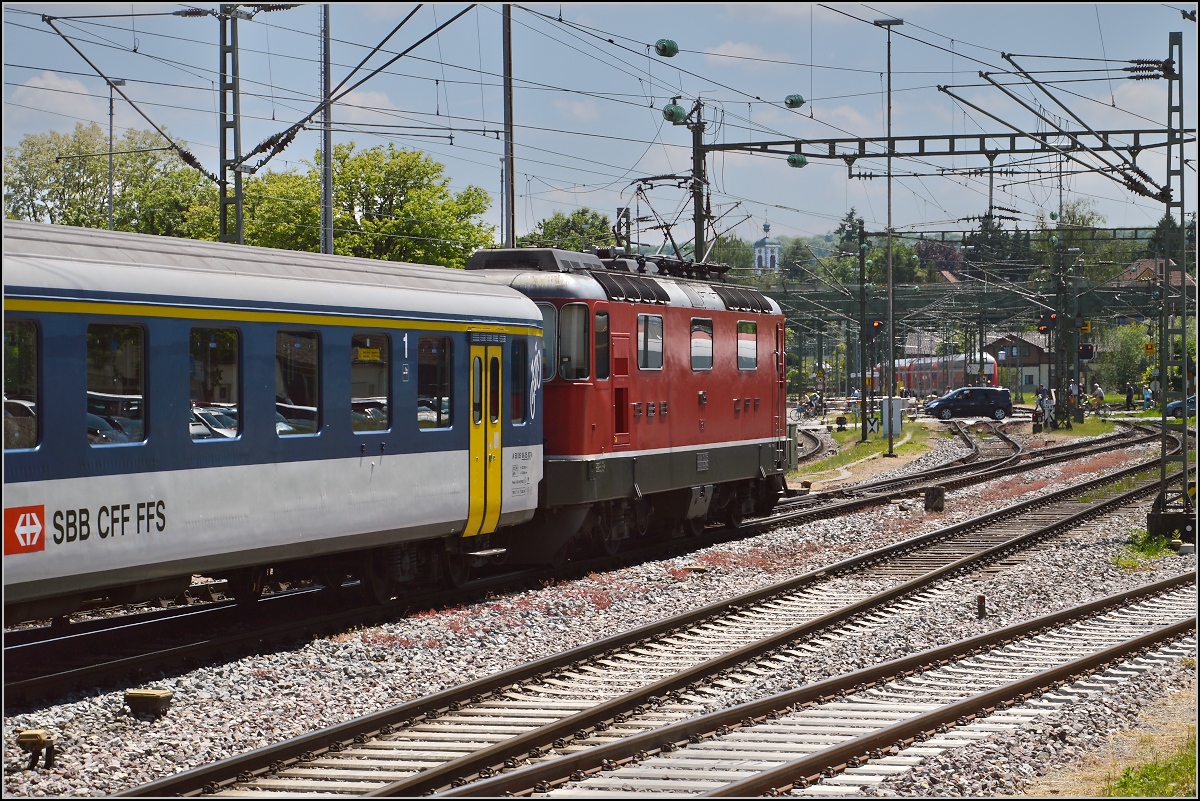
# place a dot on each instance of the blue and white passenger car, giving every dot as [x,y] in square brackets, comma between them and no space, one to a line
[386,417]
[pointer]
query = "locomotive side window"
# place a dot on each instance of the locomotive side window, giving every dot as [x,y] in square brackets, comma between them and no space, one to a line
[116,384]
[549,340]
[602,348]
[573,342]
[747,346]
[20,384]
[213,383]
[370,382]
[494,389]
[477,390]
[650,341]
[702,344]
[297,382]
[518,372]
[434,399]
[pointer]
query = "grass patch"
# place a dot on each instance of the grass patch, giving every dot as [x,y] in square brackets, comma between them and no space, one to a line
[1172,776]
[1141,547]
[1091,426]
[852,450]
[1123,485]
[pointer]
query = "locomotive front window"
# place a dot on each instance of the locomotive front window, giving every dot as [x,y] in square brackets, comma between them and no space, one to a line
[370,382]
[434,398]
[702,344]
[602,348]
[573,350]
[213,384]
[20,384]
[116,384]
[747,346]
[650,341]
[518,373]
[549,340]
[297,382]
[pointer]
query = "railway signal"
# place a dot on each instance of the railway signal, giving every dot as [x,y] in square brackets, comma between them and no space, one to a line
[1087,350]
[1047,323]
[874,327]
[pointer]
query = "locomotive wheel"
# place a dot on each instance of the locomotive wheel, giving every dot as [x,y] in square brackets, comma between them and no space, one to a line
[332,579]
[734,516]
[378,587]
[695,526]
[608,543]
[246,586]
[998,414]
[945,414]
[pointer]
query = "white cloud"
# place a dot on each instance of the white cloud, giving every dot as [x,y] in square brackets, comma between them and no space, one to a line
[53,93]
[357,107]
[743,50]
[578,110]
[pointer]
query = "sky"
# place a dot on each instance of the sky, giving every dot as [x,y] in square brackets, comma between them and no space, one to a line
[589,92]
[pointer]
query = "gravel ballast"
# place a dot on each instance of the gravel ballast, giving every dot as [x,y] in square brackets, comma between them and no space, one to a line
[223,710]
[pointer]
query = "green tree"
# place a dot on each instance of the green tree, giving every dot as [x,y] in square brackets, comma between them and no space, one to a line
[734,251]
[579,231]
[1120,356]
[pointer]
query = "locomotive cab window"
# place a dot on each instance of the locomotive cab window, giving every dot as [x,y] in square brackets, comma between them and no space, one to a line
[434,399]
[297,382]
[650,341]
[20,384]
[116,384]
[214,360]
[518,374]
[549,340]
[602,347]
[573,342]
[747,346]
[370,382]
[702,344]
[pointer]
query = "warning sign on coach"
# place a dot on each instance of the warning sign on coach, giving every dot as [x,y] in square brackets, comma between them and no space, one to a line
[24,529]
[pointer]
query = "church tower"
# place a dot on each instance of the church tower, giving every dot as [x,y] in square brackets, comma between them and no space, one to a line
[766,252]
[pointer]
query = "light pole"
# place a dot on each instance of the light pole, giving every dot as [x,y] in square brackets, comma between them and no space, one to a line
[891,290]
[111,83]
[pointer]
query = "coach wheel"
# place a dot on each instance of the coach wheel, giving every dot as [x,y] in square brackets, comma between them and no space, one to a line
[998,414]
[945,414]
[608,543]
[377,584]
[246,586]
[458,570]
[695,526]
[734,515]
[332,579]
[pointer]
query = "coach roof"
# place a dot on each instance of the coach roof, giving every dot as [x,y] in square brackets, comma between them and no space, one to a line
[57,261]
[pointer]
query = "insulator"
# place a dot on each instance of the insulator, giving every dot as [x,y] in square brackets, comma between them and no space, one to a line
[666,48]
[191,12]
[793,101]
[796,160]
[674,113]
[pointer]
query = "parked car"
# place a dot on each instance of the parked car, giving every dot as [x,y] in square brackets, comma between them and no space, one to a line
[221,424]
[1175,407]
[993,402]
[133,428]
[102,432]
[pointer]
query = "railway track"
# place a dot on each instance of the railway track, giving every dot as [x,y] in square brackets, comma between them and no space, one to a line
[42,662]
[862,727]
[537,709]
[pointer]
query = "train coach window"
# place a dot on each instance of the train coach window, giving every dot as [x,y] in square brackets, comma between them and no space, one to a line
[434,398]
[747,346]
[573,350]
[116,384]
[213,383]
[370,382]
[549,340]
[702,344]
[20,384]
[650,341]
[602,349]
[297,382]
[518,373]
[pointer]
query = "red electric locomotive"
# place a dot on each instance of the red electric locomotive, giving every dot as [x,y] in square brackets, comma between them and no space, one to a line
[663,397]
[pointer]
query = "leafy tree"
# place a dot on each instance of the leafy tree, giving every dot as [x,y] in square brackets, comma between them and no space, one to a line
[580,230]
[1119,356]
[847,232]
[936,256]
[734,251]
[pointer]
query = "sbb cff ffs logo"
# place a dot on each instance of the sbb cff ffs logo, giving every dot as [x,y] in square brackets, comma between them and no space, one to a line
[23,529]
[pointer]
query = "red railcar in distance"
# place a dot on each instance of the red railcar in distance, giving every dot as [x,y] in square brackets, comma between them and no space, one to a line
[663,398]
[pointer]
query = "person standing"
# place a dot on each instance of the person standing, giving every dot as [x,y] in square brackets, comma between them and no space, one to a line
[1128,397]
[1147,396]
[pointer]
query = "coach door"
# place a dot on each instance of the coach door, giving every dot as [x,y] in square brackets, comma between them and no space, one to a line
[485,448]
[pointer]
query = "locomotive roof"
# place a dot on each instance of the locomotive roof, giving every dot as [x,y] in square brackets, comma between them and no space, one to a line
[58,260]
[549,273]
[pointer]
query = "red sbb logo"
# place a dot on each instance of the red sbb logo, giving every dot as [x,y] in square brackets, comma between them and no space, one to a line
[23,530]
